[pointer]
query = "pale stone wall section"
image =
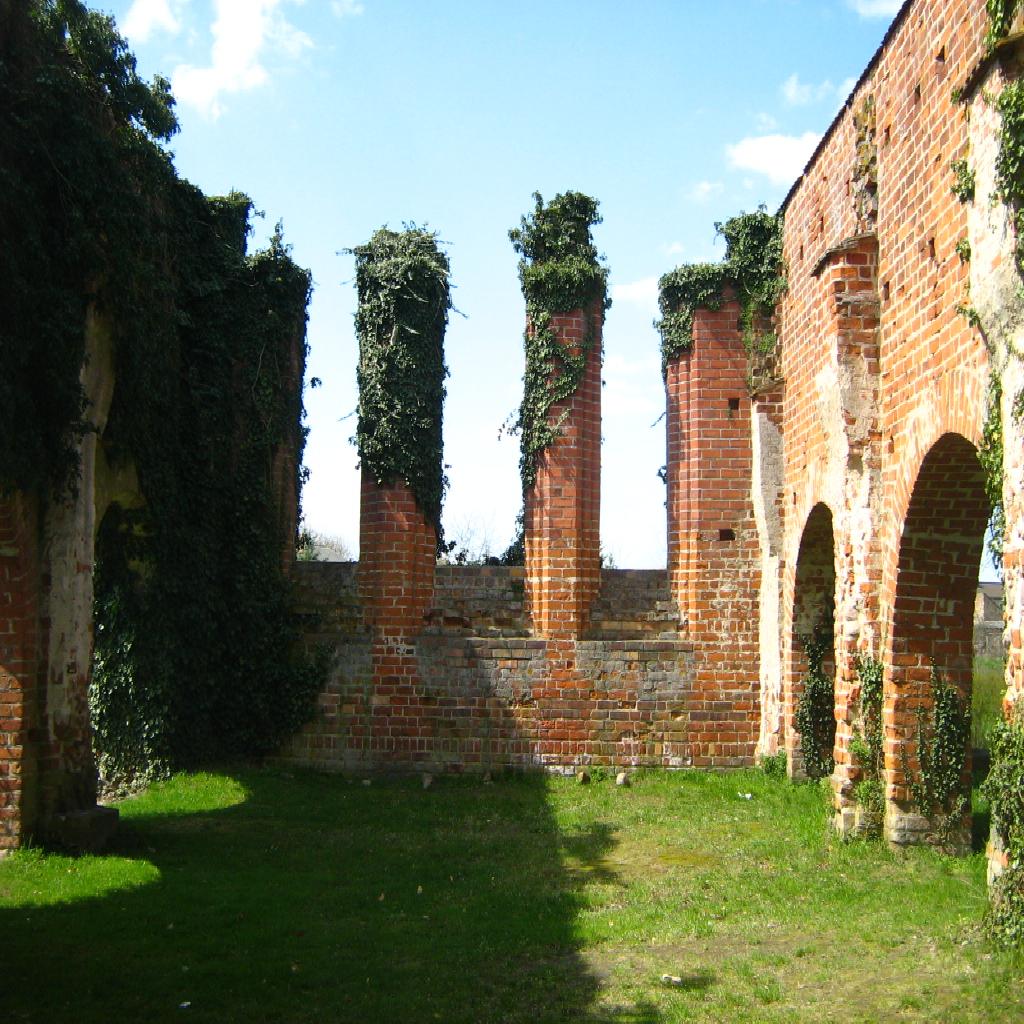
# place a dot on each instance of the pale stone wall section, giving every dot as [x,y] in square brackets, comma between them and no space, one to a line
[69,536]
[765,490]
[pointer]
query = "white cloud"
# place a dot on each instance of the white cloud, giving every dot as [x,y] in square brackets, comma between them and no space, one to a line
[704,190]
[844,89]
[674,249]
[346,8]
[799,94]
[243,31]
[641,293]
[146,16]
[875,8]
[780,157]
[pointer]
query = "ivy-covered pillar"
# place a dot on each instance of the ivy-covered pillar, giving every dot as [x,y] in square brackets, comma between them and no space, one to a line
[714,317]
[564,286]
[402,282]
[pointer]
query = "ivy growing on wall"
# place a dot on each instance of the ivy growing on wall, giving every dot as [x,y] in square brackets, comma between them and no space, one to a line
[404,298]
[990,455]
[559,271]
[1000,18]
[1005,793]
[195,644]
[815,711]
[753,266]
[937,787]
[867,743]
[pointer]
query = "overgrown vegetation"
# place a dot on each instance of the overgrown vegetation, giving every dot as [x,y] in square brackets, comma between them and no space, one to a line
[404,298]
[867,743]
[815,711]
[559,271]
[752,266]
[194,640]
[990,455]
[937,787]
[1004,789]
[963,181]
[1000,18]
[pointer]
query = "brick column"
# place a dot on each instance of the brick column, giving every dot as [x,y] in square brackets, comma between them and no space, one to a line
[714,567]
[563,506]
[397,555]
[19,665]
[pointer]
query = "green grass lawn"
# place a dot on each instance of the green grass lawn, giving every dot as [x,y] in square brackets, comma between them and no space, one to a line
[267,896]
[986,698]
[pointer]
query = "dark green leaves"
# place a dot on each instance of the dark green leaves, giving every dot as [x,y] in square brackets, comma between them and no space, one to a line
[404,298]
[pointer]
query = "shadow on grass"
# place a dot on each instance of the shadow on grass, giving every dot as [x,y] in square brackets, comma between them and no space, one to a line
[320,900]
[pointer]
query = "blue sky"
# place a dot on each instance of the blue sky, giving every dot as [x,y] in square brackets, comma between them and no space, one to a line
[338,116]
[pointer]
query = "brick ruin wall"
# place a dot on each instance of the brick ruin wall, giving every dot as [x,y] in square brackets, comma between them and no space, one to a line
[843,474]
[840,473]
[883,398]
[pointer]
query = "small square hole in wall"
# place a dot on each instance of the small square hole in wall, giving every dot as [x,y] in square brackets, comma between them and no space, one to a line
[887,135]
[885,291]
[734,405]
[931,248]
[726,534]
[917,93]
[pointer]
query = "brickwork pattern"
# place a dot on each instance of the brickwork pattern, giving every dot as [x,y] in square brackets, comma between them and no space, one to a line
[563,505]
[713,546]
[19,662]
[483,697]
[885,380]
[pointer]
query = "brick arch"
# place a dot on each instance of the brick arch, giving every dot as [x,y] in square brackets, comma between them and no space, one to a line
[931,619]
[813,595]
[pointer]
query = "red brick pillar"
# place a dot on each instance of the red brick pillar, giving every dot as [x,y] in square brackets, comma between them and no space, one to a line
[563,506]
[397,555]
[19,664]
[714,562]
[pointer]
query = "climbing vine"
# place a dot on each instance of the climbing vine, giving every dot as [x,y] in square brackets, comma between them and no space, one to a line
[559,271]
[752,265]
[404,298]
[195,643]
[943,729]
[1004,789]
[1000,18]
[815,711]
[866,744]
[990,455]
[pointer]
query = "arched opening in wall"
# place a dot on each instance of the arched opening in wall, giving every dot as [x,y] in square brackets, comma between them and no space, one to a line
[929,675]
[812,651]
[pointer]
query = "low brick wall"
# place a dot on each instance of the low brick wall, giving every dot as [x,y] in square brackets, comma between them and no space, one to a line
[488,695]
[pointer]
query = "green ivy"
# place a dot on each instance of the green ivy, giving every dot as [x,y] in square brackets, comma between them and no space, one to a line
[943,730]
[196,647]
[404,298]
[815,718]
[1000,18]
[963,181]
[1004,789]
[753,266]
[559,271]
[867,742]
[681,292]
[1010,160]
[990,455]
